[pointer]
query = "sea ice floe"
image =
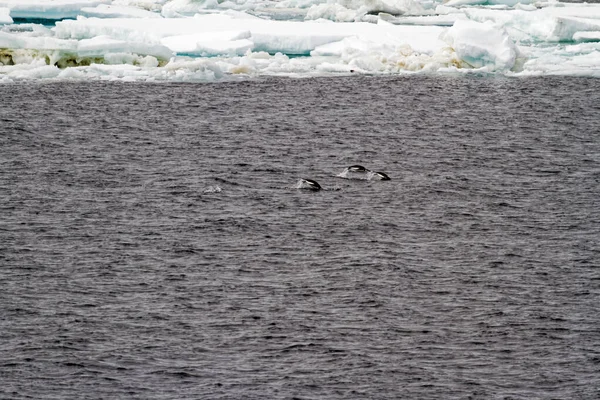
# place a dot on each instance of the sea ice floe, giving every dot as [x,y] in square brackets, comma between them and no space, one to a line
[289,37]
[551,24]
[482,45]
[213,39]
[116,11]
[509,3]
[187,8]
[354,10]
[210,43]
[44,9]
[5,17]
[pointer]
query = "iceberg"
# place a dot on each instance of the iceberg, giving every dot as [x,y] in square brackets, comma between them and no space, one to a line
[204,40]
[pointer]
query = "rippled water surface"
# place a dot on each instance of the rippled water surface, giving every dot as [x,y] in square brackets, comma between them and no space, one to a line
[153,244]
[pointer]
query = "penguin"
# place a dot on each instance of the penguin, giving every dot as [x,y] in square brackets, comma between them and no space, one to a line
[382,176]
[309,184]
[357,168]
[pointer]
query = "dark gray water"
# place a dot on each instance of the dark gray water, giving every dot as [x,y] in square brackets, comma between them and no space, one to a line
[152,244]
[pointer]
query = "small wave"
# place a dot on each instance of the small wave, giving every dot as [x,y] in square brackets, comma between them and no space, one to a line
[213,189]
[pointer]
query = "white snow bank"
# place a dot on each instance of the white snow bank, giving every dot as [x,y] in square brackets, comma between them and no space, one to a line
[356,10]
[394,7]
[425,20]
[509,3]
[5,16]
[182,8]
[198,70]
[210,43]
[241,44]
[482,45]
[289,37]
[334,12]
[11,74]
[572,61]
[101,45]
[53,51]
[115,11]
[566,28]
[593,36]
[148,5]
[366,56]
[551,24]
[44,9]
[121,41]
[15,41]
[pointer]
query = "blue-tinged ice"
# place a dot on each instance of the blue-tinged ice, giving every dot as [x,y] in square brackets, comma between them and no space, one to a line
[200,40]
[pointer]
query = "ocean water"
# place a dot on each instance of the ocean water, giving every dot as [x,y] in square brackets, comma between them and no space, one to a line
[153,244]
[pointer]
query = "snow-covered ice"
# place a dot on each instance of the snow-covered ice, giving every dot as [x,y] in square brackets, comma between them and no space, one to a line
[116,11]
[201,40]
[482,45]
[5,17]
[48,9]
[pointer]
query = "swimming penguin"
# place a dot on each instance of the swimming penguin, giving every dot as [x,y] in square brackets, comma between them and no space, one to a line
[355,172]
[357,168]
[381,176]
[359,172]
[309,184]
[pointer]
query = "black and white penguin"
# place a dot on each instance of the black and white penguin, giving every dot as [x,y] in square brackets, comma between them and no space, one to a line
[309,184]
[382,176]
[356,168]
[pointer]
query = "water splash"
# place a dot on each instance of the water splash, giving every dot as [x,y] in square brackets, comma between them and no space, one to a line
[213,189]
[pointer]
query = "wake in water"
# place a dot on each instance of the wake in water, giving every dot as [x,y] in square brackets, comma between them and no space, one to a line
[362,173]
[352,172]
